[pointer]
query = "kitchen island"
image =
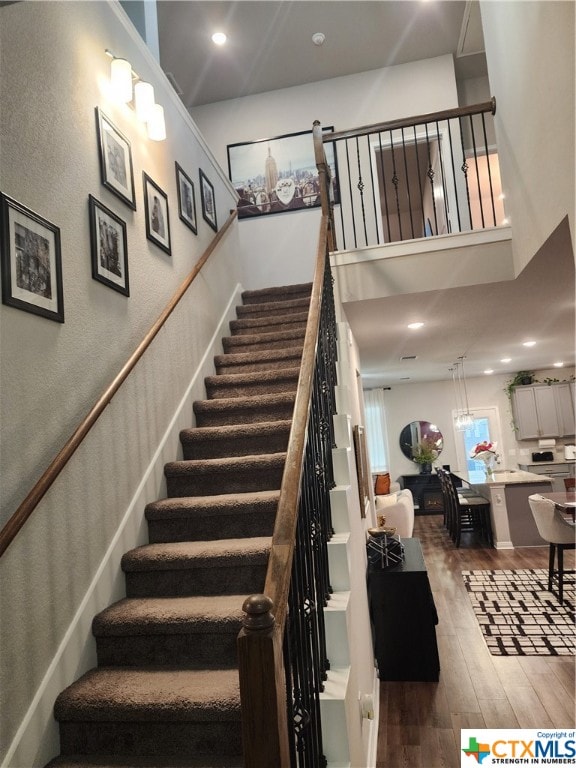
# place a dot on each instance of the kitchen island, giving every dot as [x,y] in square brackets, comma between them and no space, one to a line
[508,491]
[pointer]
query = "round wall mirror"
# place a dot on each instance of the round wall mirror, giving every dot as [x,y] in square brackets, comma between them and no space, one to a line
[421,441]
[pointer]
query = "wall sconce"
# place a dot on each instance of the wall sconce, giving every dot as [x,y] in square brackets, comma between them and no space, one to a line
[121,79]
[156,124]
[142,96]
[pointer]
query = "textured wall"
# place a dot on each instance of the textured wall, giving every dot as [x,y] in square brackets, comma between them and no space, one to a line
[54,74]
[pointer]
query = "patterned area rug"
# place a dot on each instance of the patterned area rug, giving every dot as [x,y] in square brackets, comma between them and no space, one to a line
[517,614]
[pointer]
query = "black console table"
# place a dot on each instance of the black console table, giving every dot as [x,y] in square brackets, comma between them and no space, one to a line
[404,618]
[427,492]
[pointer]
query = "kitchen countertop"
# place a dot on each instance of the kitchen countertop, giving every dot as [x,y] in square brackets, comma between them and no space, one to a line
[547,464]
[501,477]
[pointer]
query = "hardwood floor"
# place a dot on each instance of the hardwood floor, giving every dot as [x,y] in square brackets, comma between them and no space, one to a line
[420,723]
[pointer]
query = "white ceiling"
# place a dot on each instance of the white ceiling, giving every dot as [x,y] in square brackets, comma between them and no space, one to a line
[270,41]
[270,47]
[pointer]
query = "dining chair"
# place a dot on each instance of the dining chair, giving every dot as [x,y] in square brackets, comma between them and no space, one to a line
[560,535]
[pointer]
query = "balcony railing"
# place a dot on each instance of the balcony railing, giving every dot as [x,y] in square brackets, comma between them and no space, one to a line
[428,175]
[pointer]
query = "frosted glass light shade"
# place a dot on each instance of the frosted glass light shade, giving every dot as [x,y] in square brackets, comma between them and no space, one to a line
[156,124]
[121,79]
[143,100]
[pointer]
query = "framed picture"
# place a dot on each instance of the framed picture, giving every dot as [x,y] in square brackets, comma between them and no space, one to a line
[186,199]
[109,247]
[157,221]
[31,262]
[362,468]
[278,174]
[208,201]
[115,160]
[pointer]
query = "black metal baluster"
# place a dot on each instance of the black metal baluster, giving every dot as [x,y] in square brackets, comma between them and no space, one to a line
[464,169]
[420,190]
[443,178]
[351,197]
[430,173]
[395,182]
[407,184]
[373,185]
[360,187]
[454,176]
[384,188]
[489,169]
[477,171]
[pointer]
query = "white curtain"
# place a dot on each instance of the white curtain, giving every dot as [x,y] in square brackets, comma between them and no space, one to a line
[375,415]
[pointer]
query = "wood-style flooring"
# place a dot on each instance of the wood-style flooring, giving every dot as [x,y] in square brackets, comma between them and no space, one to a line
[419,723]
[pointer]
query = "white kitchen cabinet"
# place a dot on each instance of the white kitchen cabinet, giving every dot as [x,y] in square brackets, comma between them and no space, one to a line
[542,410]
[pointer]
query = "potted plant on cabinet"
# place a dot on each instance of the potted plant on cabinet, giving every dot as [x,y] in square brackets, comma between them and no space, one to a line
[424,454]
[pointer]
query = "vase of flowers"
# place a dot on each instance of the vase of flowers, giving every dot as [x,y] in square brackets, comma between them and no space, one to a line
[486,453]
[424,454]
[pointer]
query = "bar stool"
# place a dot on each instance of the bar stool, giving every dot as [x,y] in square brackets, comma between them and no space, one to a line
[464,513]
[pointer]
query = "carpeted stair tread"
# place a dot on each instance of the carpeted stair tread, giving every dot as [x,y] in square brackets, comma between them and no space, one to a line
[244,410]
[225,553]
[295,319]
[247,464]
[141,761]
[209,506]
[259,342]
[195,518]
[235,439]
[277,293]
[151,694]
[235,474]
[252,383]
[272,359]
[168,615]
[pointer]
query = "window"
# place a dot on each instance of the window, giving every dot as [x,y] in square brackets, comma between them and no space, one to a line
[375,414]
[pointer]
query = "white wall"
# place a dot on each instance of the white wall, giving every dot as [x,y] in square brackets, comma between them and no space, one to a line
[54,74]
[342,102]
[434,402]
[530,55]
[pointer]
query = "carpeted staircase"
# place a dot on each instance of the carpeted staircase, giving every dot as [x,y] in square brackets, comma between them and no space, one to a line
[166,692]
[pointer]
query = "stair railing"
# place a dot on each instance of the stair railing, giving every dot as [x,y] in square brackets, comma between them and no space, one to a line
[27,507]
[282,645]
[422,176]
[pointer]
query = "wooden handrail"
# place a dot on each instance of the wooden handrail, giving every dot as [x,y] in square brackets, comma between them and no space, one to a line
[15,523]
[431,117]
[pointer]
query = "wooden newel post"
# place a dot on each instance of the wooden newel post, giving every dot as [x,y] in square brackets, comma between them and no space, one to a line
[262,687]
[325,180]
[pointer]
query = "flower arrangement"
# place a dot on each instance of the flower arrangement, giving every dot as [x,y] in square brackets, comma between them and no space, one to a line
[486,453]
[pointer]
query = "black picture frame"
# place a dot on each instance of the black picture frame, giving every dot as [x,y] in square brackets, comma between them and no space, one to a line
[108,247]
[208,201]
[117,172]
[186,199]
[278,174]
[157,214]
[31,261]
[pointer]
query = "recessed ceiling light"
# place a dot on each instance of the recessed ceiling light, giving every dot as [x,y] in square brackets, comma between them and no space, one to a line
[529,343]
[219,38]
[488,371]
[506,360]
[559,364]
[318,38]
[415,326]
